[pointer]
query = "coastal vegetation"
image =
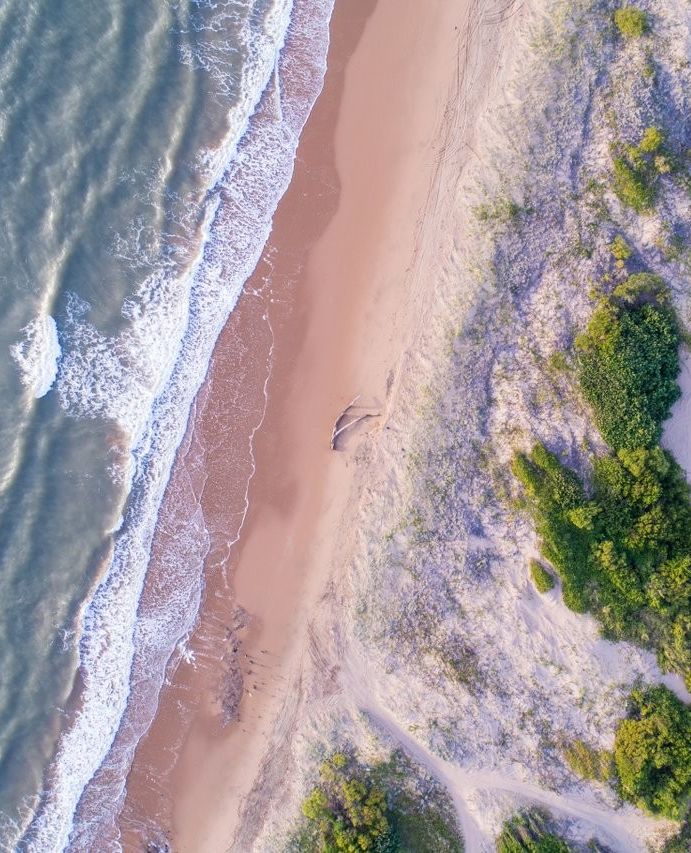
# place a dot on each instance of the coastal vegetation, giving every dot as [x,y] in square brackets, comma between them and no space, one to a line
[628,363]
[542,579]
[631,21]
[354,809]
[652,753]
[637,169]
[621,251]
[528,832]
[592,764]
[623,547]
[348,814]
[651,762]
[620,538]
[623,553]
[613,516]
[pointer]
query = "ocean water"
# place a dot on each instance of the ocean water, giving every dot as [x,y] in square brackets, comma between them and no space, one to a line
[143,148]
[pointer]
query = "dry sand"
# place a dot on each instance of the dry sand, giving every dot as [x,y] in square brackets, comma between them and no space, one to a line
[677,432]
[333,306]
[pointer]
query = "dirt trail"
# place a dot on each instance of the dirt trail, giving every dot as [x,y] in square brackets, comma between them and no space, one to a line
[625,828]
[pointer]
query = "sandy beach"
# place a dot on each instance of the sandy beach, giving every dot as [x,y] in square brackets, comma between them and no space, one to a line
[334,305]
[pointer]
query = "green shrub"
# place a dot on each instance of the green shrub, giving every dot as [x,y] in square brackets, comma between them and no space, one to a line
[589,763]
[628,363]
[557,362]
[630,21]
[640,288]
[632,186]
[624,554]
[552,492]
[652,753]
[674,652]
[348,814]
[542,579]
[501,210]
[529,833]
[637,169]
[620,249]
[651,141]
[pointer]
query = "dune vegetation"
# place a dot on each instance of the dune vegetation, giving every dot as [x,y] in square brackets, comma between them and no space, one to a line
[528,832]
[354,808]
[622,545]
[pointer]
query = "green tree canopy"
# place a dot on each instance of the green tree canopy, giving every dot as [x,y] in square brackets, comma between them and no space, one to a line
[652,753]
[350,816]
[628,363]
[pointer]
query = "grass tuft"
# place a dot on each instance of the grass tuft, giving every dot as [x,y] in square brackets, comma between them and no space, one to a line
[542,579]
[589,763]
[631,22]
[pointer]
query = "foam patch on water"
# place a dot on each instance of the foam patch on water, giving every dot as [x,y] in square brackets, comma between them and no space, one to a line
[37,355]
[146,378]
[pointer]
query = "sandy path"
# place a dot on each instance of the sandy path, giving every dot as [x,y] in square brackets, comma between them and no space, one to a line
[677,432]
[625,828]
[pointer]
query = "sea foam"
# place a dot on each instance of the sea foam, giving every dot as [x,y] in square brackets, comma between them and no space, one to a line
[146,378]
[37,355]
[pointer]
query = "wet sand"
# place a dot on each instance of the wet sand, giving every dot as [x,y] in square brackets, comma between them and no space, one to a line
[325,318]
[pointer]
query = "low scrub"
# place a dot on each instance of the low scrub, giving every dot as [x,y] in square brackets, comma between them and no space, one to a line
[628,363]
[529,833]
[652,752]
[594,765]
[620,249]
[631,22]
[424,828]
[542,579]
[632,186]
[637,168]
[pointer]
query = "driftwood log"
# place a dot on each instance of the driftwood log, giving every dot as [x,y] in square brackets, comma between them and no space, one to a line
[340,427]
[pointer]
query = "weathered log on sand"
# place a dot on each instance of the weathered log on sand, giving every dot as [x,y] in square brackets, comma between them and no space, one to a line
[338,428]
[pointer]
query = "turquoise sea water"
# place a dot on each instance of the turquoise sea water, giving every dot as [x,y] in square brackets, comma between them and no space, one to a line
[138,185]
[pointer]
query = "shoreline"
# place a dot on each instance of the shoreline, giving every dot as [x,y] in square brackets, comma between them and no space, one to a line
[314,336]
[302,491]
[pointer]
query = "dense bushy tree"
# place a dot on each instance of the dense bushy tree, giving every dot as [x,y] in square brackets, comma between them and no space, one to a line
[652,753]
[625,552]
[628,364]
[348,814]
